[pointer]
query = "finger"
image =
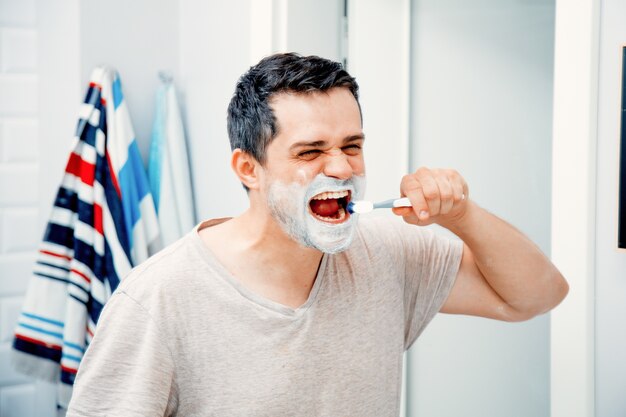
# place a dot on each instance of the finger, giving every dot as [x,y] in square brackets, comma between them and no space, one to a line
[431,192]
[459,185]
[457,189]
[411,188]
[465,191]
[447,194]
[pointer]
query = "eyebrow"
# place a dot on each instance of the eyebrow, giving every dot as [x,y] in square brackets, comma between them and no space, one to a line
[319,143]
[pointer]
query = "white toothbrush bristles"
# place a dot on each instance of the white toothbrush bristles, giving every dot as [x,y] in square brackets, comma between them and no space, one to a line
[360,206]
[367,206]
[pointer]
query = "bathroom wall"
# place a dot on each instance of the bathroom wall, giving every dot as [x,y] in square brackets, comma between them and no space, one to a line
[20,170]
[481,102]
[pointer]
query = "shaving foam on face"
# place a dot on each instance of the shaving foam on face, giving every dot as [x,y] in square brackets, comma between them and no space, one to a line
[289,205]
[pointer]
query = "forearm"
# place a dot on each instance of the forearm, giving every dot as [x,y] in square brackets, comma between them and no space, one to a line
[513,266]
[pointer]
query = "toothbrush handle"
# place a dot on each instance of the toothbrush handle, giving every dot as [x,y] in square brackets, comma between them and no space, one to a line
[402,202]
[394,202]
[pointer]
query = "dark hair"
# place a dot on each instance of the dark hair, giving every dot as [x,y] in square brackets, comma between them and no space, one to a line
[251,122]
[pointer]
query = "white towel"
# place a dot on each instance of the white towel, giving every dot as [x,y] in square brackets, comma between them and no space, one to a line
[168,167]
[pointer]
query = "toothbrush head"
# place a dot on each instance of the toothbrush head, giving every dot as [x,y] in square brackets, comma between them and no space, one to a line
[360,207]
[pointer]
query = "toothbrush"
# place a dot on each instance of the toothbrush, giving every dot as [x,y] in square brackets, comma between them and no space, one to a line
[363,206]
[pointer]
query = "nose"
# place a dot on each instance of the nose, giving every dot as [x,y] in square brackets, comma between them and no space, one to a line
[337,166]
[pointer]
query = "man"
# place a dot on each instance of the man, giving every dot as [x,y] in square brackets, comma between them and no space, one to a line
[292,308]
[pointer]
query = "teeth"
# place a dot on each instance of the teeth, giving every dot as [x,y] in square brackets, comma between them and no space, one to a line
[331,194]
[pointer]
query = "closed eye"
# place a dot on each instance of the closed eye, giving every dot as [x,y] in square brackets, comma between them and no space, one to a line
[352,149]
[310,154]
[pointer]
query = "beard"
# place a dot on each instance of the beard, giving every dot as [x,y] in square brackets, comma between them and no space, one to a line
[289,206]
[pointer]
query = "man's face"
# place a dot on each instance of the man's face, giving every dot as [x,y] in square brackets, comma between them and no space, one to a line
[314,167]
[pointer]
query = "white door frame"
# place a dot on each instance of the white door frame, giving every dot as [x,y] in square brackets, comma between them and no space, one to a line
[576,62]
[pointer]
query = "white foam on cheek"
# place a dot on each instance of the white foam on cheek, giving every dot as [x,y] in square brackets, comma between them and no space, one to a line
[359,187]
[287,198]
[289,206]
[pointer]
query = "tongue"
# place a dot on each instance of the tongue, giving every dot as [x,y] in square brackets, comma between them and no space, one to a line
[325,208]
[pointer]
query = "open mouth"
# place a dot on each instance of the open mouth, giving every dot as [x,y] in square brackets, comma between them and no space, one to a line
[330,206]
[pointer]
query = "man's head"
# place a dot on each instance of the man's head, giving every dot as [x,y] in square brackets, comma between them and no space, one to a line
[251,122]
[296,131]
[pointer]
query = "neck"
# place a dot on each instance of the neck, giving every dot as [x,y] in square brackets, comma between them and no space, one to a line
[275,266]
[257,252]
[256,237]
[260,234]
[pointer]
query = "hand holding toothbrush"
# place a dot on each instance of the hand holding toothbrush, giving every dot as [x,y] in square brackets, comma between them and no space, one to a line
[430,196]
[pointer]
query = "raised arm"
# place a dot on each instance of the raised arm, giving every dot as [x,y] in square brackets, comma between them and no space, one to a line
[503,275]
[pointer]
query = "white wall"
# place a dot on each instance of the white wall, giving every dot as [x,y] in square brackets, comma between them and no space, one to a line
[482,103]
[314,27]
[610,268]
[214,52]
[20,169]
[378,57]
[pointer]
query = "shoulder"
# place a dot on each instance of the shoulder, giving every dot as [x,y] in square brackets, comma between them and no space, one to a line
[169,271]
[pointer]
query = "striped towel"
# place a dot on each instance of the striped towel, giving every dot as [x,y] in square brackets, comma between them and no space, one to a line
[103,223]
[168,167]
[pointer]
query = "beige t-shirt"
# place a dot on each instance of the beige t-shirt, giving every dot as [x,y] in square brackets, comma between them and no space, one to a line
[181,336]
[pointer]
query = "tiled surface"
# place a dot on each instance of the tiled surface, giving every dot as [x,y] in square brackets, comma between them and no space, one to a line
[15,269]
[18,229]
[10,308]
[18,94]
[18,13]
[18,50]
[18,185]
[19,170]
[18,401]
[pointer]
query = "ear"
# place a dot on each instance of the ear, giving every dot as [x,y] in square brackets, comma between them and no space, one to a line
[246,168]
